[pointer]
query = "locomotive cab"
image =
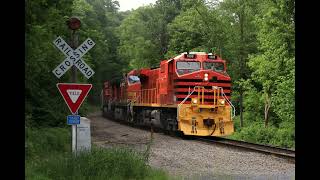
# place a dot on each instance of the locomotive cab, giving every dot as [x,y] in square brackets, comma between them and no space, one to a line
[190,64]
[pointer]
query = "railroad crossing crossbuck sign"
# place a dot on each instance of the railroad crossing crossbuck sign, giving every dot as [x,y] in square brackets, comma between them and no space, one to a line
[73,57]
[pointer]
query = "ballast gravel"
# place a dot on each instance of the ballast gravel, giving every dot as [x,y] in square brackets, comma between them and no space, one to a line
[190,159]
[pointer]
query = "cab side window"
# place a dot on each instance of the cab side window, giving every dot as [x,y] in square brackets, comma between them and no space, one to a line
[133,79]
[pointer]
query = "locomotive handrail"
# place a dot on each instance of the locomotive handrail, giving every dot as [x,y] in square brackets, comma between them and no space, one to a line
[150,95]
[178,108]
[229,102]
[194,88]
[133,100]
[146,96]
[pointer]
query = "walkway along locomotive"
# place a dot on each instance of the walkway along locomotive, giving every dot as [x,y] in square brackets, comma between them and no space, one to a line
[189,93]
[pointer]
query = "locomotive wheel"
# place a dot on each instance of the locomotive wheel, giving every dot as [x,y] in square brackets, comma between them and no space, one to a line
[170,130]
[179,134]
[130,118]
[166,132]
[103,111]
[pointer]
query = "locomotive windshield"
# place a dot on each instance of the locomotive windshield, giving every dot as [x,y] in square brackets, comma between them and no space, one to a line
[215,66]
[184,67]
[133,79]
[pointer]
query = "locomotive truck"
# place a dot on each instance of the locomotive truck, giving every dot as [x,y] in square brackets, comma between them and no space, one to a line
[189,93]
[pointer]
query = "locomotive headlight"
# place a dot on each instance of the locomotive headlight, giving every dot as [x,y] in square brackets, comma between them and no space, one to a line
[194,101]
[222,102]
[206,77]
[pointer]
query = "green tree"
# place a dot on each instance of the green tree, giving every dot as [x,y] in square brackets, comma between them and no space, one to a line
[144,35]
[239,15]
[166,11]
[197,27]
[137,44]
[185,32]
[45,20]
[99,20]
[273,66]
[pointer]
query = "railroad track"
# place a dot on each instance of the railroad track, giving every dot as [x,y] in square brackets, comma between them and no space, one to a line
[266,149]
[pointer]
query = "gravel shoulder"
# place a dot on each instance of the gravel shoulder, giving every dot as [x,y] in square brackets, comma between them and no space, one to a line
[190,159]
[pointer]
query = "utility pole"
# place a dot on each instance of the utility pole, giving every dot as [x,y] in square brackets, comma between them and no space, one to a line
[74,24]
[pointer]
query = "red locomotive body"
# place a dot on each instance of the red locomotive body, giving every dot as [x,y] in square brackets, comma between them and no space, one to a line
[189,93]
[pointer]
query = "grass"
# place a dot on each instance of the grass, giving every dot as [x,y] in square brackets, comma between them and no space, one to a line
[48,156]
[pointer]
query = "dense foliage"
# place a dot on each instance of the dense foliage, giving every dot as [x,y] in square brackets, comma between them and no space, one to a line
[255,37]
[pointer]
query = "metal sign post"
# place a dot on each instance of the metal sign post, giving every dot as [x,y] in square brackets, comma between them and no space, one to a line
[74,44]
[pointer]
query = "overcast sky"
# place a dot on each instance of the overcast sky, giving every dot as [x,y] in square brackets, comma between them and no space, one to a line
[133,4]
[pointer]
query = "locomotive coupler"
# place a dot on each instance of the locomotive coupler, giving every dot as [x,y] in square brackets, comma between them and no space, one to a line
[208,122]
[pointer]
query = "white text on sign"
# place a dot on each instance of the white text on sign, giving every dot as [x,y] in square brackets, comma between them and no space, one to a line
[74,94]
[73,57]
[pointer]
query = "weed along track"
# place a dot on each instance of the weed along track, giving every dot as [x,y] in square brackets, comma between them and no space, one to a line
[189,158]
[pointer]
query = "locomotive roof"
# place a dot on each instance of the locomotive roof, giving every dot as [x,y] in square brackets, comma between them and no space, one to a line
[200,56]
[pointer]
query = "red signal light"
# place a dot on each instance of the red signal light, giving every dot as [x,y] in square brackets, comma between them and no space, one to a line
[74,23]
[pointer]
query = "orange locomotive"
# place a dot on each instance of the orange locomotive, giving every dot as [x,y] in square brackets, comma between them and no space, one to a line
[188,93]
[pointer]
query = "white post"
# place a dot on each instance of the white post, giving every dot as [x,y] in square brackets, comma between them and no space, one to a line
[74,138]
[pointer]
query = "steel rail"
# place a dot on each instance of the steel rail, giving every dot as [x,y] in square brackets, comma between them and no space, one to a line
[266,149]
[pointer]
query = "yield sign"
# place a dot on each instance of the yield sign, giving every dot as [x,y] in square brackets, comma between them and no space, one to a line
[74,94]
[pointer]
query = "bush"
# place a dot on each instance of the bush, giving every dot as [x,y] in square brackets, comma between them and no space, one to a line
[257,133]
[285,136]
